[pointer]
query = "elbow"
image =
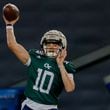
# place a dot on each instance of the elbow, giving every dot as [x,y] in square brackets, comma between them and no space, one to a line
[11,45]
[70,89]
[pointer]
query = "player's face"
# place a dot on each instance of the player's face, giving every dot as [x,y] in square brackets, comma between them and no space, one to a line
[52,49]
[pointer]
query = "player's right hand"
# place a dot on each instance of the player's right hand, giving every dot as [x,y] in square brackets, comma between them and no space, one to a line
[10,22]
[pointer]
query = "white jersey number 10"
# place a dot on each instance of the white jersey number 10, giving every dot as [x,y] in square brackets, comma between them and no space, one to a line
[42,76]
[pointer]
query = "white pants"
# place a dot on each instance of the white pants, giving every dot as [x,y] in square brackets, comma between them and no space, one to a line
[37,106]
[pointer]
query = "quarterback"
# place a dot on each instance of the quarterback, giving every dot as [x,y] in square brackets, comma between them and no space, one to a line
[48,72]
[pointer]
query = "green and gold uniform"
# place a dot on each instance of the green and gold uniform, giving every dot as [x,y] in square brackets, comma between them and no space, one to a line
[45,83]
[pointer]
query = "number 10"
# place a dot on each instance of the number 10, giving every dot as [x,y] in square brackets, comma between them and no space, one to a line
[45,74]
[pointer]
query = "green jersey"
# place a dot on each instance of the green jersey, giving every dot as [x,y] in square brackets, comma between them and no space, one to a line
[44,82]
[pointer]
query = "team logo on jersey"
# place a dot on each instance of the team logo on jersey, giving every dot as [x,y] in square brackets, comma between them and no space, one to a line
[46,65]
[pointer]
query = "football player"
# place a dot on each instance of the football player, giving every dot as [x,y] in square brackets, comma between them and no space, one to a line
[48,71]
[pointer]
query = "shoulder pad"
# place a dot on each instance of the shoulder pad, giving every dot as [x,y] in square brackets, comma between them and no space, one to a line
[39,52]
[35,51]
[69,66]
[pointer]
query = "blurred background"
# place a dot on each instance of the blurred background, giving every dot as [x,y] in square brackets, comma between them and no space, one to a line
[86,24]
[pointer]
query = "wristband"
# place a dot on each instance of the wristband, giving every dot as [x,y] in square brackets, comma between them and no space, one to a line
[9,26]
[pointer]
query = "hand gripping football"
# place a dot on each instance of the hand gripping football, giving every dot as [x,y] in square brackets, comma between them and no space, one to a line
[10,12]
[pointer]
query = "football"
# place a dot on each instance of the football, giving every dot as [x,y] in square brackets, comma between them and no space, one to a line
[10,12]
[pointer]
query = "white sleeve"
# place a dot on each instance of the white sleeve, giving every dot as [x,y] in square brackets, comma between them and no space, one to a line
[28,62]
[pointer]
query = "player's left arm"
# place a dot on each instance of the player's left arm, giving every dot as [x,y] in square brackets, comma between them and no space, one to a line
[67,78]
